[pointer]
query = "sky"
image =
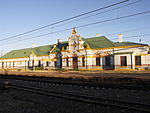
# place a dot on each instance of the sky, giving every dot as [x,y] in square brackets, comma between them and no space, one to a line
[19,16]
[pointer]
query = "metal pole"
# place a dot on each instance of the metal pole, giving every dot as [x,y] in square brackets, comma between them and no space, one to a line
[33,64]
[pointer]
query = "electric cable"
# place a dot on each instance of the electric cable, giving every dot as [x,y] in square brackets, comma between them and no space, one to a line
[61,21]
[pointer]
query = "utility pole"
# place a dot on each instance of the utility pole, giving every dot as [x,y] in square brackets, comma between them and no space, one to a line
[33,63]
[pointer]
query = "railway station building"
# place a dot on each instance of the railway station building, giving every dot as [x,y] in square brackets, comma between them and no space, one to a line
[79,53]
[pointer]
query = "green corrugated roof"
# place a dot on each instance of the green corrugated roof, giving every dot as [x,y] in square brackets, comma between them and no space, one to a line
[127,43]
[59,46]
[99,42]
[62,44]
[56,49]
[42,50]
[93,43]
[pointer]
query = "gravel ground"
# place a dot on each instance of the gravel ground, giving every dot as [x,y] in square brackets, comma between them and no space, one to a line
[140,96]
[14,101]
[83,74]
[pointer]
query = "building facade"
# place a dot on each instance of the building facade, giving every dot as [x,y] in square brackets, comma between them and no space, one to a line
[78,53]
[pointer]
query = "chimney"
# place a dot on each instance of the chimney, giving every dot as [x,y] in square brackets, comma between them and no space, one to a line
[120,38]
[97,34]
[59,40]
[54,45]
[33,45]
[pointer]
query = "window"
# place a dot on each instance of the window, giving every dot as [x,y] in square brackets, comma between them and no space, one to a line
[123,60]
[13,64]
[33,63]
[9,64]
[2,65]
[47,63]
[6,64]
[20,63]
[28,63]
[55,63]
[83,61]
[137,60]
[67,62]
[107,60]
[98,63]
[39,65]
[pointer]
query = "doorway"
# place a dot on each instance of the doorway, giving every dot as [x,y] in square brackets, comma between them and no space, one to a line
[75,62]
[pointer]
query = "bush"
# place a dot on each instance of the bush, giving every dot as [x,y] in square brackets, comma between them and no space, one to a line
[19,69]
[39,68]
[60,69]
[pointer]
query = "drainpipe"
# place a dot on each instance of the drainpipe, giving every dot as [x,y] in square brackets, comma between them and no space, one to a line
[86,59]
[25,65]
[114,59]
[131,61]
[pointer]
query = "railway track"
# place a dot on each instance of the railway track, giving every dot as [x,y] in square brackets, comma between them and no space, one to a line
[73,82]
[145,108]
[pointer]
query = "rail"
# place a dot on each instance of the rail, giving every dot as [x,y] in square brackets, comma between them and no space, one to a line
[79,82]
[82,98]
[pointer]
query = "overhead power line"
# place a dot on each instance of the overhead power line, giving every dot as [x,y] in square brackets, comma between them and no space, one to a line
[61,21]
[118,18]
[135,36]
[95,14]
[143,35]
[85,25]
[131,30]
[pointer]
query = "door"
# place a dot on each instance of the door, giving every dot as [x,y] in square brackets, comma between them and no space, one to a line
[28,64]
[75,62]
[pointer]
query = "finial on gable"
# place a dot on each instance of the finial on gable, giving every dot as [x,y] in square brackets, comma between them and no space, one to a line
[74,31]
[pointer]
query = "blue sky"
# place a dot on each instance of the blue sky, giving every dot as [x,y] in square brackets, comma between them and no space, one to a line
[18,16]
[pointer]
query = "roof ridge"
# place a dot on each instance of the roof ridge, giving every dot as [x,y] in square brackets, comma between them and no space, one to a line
[30,48]
[95,42]
[110,41]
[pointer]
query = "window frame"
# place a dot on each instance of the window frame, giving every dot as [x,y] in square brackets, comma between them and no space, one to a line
[123,60]
[98,61]
[138,60]
[106,61]
[83,60]
[67,62]
[47,63]
[39,63]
